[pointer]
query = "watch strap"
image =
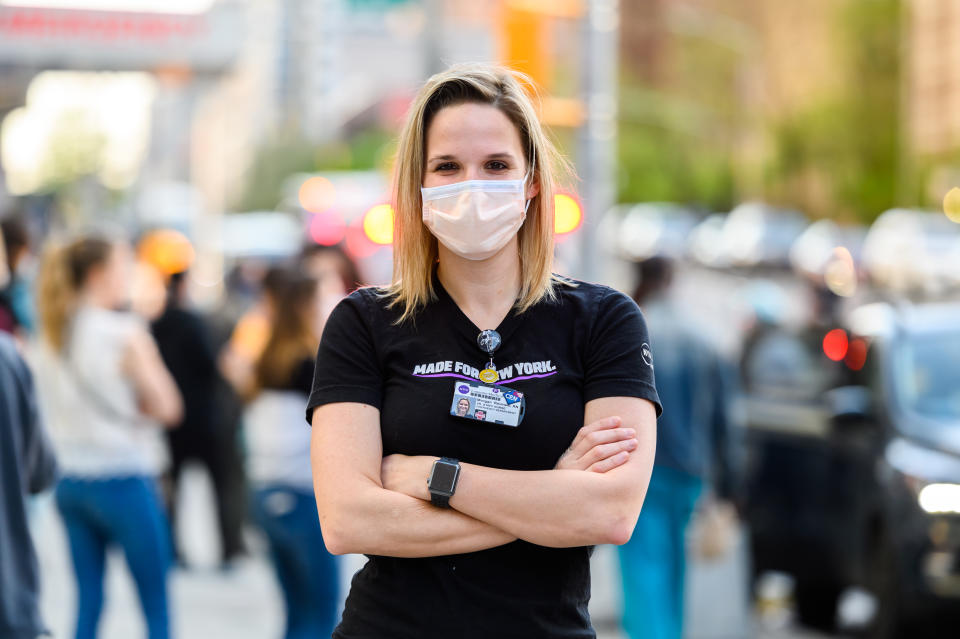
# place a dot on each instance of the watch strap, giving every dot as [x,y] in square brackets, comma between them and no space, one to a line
[443,501]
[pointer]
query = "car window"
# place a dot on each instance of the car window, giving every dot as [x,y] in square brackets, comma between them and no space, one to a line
[927,374]
[780,364]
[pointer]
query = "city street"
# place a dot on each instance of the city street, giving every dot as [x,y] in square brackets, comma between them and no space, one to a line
[215,214]
[244,602]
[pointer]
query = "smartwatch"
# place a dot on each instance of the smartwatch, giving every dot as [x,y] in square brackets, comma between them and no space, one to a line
[443,481]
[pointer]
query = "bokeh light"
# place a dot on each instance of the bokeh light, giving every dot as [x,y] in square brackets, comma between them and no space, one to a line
[358,245]
[317,194]
[378,224]
[840,273]
[568,214]
[166,250]
[835,344]
[327,228]
[856,354]
[951,204]
[940,498]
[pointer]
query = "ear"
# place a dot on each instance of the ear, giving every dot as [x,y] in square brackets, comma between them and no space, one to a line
[534,187]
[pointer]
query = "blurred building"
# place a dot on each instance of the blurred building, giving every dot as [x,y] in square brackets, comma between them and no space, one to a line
[932,83]
[314,70]
[245,71]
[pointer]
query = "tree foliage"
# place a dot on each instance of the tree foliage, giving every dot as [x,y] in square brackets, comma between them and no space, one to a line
[838,155]
[849,142]
[284,156]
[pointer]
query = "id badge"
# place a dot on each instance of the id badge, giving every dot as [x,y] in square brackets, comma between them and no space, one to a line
[485,403]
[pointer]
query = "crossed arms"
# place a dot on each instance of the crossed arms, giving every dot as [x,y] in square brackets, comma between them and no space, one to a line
[375,505]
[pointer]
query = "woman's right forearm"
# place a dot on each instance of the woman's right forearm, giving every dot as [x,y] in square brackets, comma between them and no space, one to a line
[358,515]
[383,522]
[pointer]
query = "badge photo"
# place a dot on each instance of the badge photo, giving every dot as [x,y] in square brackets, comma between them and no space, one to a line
[485,403]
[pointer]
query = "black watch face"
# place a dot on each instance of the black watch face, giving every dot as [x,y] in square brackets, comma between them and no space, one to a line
[443,476]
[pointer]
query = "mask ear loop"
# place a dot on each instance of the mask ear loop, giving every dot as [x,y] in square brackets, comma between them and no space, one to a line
[527,175]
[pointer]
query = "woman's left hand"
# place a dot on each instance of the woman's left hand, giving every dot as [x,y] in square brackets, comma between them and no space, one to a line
[407,475]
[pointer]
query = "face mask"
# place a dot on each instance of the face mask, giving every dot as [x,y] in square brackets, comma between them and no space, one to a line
[476,218]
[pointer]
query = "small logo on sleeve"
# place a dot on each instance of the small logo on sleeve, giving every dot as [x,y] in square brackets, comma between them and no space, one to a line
[647,354]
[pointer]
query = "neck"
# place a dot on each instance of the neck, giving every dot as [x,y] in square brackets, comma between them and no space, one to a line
[485,290]
[96,296]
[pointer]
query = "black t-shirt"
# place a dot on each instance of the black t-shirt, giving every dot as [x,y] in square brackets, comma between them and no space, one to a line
[592,342]
[185,347]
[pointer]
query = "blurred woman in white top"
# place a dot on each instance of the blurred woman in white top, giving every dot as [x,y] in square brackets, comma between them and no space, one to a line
[106,395]
[279,446]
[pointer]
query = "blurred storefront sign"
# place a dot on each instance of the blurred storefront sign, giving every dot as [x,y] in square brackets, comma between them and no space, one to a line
[46,38]
[266,234]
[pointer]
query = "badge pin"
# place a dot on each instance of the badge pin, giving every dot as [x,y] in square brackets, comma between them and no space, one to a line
[489,376]
[488,341]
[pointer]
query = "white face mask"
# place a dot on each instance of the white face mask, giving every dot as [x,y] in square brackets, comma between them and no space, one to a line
[476,218]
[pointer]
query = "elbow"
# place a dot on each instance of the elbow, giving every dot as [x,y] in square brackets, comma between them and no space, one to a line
[610,527]
[339,536]
[619,530]
[172,415]
[336,542]
[621,515]
[174,410]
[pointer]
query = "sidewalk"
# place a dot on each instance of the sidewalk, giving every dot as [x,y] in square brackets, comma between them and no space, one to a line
[244,603]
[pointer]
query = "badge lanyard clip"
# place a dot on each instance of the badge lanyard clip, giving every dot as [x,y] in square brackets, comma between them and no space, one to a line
[489,341]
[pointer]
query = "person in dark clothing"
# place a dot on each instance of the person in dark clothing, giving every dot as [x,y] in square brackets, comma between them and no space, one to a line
[695,446]
[185,346]
[478,528]
[15,296]
[8,321]
[27,466]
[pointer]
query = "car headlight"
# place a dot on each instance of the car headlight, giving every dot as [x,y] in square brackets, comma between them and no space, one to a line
[940,498]
[933,476]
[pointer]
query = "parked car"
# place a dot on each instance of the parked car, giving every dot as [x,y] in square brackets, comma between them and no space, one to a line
[853,471]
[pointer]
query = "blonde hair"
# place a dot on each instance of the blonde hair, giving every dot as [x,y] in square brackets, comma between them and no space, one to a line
[64,270]
[415,248]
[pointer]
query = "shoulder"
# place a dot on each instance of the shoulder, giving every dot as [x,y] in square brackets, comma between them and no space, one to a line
[12,361]
[369,296]
[9,356]
[106,319]
[370,304]
[591,297]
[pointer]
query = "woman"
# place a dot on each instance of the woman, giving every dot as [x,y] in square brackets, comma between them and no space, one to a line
[106,394]
[492,539]
[279,459]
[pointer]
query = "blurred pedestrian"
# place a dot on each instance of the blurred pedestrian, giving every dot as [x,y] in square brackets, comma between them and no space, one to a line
[184,341]
[27,467]
[251,332]
[695,445]
[8,323]
[106,395]
[332,268]
[279,459]
[16,246]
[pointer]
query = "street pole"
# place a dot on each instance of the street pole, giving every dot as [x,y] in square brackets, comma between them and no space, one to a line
[433,25]
[598,134]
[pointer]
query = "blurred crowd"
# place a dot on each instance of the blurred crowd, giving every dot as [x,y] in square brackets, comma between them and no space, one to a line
[134,382]
[130,379]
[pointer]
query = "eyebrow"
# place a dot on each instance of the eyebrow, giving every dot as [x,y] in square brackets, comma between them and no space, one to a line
[503,155]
